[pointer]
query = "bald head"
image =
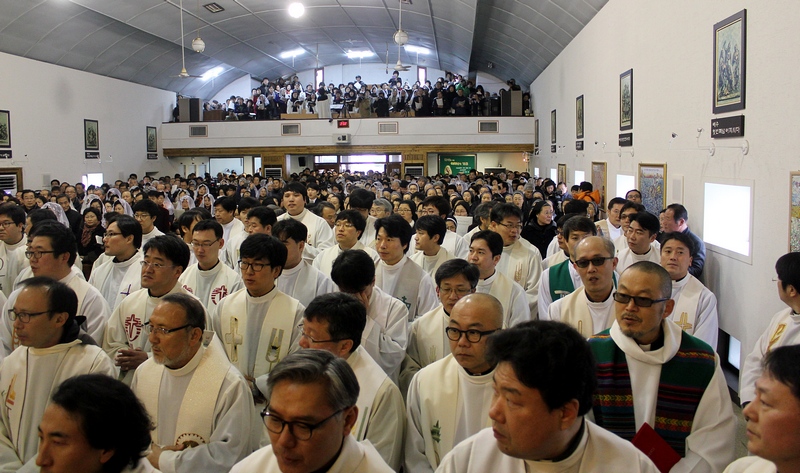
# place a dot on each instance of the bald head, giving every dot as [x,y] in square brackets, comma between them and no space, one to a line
[481,307]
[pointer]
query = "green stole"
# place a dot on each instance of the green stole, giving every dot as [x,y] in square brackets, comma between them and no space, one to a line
[683,381]
[560,281]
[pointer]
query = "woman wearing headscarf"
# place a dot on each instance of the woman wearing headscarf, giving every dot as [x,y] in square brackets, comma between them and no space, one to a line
[89,244]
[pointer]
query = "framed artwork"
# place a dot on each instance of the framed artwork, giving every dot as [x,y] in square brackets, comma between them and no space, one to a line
[5,129]
[599,180]
[730,37]
[579,117]
[535,134]
[91,139]
[562,172]
[794,213]
[553,127]
[653,185]
[626,100]
[152,139]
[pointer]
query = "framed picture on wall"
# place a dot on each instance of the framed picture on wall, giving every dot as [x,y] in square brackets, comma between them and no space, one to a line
[579,117]
[152,139]
[562,172]
[91,139]
[535,134]
[5,129]
[794,213]
[599,180]
[730,37]
[626,100]
[653,185]
[553,127]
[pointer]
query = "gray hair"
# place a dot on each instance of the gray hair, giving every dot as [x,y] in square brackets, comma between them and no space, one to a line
[195,313]
[387,206]
[318,366]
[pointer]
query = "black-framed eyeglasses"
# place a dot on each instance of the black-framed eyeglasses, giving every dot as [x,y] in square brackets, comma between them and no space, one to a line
[459,291]
[163,331]
[313,340]
[7,224]
[204,244]
[596,262]
[24,317]
[638,301]
[244,266]
[37,254]
[511,226]
[110,234]
[299,430]
[473,336]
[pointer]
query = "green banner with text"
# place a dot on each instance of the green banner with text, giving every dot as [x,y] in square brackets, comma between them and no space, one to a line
[454,164]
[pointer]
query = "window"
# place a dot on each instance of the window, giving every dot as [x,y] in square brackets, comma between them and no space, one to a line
[92,178]
[727,219]
[580,176]
[326,159]
[554,175]
[624,184]
[422,75]
[536,172]
[319,76]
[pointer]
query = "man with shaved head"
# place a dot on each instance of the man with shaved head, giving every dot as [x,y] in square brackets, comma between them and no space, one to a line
[462,379]
[590,308]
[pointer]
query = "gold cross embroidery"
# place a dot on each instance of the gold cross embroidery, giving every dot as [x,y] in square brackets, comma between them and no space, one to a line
[234,339]
[776,336]
[683,322]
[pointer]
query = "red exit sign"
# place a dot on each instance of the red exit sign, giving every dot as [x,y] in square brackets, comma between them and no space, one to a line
[343,124]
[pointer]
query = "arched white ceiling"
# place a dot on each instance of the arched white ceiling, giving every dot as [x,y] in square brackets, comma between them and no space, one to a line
[139,40]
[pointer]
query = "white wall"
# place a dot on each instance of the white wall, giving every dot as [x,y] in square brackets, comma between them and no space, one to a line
[669,46]
[48,105]
[490,83]
[240,87]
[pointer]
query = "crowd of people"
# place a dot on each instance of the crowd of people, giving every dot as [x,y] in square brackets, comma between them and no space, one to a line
[449,95]
[373,323]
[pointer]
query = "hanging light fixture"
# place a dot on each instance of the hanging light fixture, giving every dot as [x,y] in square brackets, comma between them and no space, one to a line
[198,45]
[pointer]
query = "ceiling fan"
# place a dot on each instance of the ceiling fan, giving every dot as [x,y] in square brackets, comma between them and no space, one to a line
[183,74]
[401,38]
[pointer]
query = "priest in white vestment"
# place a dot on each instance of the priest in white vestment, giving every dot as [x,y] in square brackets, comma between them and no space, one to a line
[386,334]
[695,309]
[429,253]
[299,279]
[349,227]
[396,274]
[590,308]
[126,342]
[427,340]
[120,273]
[611,227]
[225,214]
[645,356]
[52,349]
[12,237]
[52,252]
[485,252]
[520,261]
[641,235]
[320,235]
[210,280]
[449,400]
[200,404]
[335,323]
[313,407]
[538,422]
[146,215]
[259,325]
[439,206]
[773,417]
[783,328]
[361,201]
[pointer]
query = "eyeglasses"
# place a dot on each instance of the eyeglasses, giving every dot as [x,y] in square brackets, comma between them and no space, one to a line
[511,226]
[139,216]
[7,224]
[256,266]
[163,331]
[205,244]
[110,234]
[299,430]
[473,336]
[599,261]
[638,301]
[36,254]
[313,340]
[346,225]
[457,290]
[24,317]
[156,266]
[403,211]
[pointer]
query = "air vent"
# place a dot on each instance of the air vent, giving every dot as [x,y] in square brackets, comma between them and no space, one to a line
[488,127]
[198,131]
[415,171]
[387,128]
[275,173]
[213,7]
[8,183]
[290,129]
